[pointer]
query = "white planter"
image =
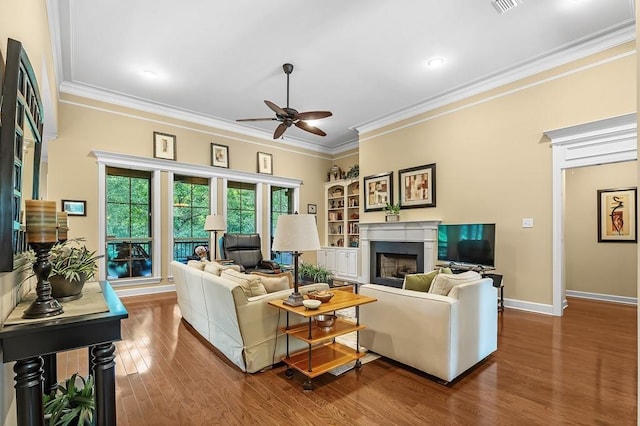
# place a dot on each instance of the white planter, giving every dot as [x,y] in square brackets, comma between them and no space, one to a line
[392,218]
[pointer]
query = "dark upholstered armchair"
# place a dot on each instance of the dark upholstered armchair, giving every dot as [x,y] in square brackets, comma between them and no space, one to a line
[246,251]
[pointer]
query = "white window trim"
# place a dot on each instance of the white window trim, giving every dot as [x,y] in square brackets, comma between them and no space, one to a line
[156,219]
[113,159]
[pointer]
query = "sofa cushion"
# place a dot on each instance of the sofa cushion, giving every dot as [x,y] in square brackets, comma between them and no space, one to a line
[422,282]
[443,283]
[197,264]
[419,282]
[275,282]
[250,284]
[216,268]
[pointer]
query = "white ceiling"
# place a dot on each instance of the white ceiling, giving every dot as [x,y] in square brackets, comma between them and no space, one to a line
[364,60]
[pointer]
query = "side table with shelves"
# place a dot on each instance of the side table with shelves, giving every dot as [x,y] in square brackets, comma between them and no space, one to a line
[323,352]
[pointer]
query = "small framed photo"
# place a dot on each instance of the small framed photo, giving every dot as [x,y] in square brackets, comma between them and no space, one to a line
[418,186]
[219,155]
[378,191]
[312,209]
[265,163]
[74,207]
[164,146]
[617,216]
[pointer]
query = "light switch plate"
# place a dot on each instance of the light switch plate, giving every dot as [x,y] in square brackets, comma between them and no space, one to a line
[527,222]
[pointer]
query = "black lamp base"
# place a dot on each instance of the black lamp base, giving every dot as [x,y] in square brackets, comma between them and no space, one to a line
[294,299]
[44,305]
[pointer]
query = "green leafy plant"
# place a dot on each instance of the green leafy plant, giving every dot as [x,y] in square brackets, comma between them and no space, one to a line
[392,208]
[69,259]
[71,404]
[353,172]
[317,274]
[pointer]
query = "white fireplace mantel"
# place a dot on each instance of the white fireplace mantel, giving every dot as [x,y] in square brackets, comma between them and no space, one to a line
[425,231]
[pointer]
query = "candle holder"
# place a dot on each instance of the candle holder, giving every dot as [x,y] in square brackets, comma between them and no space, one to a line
[44,305]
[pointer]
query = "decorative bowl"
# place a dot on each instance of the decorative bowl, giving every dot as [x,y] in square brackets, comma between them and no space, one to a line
[311,304]
[322,296]
[325,321]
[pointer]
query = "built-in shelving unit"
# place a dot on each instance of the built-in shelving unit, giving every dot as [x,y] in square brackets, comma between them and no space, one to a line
[342,228]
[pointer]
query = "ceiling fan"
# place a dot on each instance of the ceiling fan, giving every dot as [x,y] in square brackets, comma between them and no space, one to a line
[288,116]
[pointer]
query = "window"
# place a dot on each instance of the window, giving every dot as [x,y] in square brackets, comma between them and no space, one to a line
[128,223]
[190,209]
[281,203]
[241,208]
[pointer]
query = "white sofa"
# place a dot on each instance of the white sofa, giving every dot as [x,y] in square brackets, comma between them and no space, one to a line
[440,335]
[247,330]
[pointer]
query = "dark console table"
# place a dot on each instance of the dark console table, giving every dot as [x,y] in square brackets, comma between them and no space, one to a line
[34,346]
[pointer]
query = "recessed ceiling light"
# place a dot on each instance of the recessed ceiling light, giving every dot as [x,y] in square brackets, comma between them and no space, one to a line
[435,62]
[149,73]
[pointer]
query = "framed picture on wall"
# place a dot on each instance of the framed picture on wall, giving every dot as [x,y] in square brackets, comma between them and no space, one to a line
[74,207]
[164,146]
[617,215]
[265,163]
[378,191]
[219,155]
[417,186]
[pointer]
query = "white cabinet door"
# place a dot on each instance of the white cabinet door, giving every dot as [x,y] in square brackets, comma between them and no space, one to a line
[347,263]
[327,259]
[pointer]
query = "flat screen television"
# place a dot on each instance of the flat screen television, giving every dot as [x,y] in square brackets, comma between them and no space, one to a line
[468,243]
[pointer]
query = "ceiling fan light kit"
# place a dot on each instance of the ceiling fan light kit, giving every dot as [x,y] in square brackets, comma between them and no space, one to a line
[288,116]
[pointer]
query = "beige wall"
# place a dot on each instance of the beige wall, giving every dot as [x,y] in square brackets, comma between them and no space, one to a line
[25,21]
[604,268]
[494,163]
[87,125]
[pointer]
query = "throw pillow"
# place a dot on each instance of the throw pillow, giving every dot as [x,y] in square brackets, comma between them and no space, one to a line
[197,264]
[275,283]
[250,284]
[443,283]
[216,269]
[419,282]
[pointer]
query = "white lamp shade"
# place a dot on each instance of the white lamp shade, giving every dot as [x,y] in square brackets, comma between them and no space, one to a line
[296,232]
[213,222]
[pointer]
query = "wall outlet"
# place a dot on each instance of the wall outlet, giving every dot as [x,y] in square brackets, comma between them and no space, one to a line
[527,222]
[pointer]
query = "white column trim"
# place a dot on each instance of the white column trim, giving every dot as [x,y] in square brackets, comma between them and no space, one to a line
[599,142]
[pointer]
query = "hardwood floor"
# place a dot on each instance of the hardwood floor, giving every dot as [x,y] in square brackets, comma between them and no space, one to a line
[580,369]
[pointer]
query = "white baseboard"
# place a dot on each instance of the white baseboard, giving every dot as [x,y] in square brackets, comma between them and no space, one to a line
[142,291]
[603,297]
[539,308]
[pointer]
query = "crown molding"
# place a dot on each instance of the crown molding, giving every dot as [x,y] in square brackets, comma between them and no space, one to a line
[587,46]
[138,104]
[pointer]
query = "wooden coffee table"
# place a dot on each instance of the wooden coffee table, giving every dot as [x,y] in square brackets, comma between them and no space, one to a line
[323,352]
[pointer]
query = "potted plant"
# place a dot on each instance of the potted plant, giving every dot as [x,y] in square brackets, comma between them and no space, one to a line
[314,273]
[393,212]
[72,264]
[71,403]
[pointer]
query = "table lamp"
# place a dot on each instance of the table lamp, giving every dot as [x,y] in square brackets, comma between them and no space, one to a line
[296,233]
[215,223]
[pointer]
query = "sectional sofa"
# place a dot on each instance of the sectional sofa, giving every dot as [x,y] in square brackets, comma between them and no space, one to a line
[241,325]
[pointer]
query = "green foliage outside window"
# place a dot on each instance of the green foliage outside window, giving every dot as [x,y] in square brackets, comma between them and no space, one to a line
[241,208]
[190,207]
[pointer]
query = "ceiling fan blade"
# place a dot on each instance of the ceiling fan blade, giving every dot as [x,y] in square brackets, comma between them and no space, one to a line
[313,115]
[275,108]
[257,119]
[309,128]
[279,130]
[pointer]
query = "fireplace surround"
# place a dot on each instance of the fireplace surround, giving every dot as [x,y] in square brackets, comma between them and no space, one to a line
[415,238]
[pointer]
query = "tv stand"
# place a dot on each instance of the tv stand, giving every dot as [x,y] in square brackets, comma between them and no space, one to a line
[458,268]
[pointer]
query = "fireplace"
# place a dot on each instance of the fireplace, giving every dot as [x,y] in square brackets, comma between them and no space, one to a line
[397,248]
[391,261]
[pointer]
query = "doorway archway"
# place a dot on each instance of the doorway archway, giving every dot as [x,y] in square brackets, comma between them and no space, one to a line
[610,140]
